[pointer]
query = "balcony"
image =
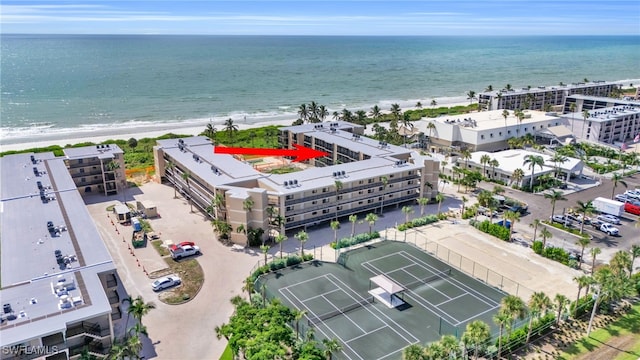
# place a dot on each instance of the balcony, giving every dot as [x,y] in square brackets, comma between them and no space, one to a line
[87,328]
[94,348]
[114,298]
[112,282]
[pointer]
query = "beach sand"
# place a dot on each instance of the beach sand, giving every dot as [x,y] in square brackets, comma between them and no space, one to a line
[150,131]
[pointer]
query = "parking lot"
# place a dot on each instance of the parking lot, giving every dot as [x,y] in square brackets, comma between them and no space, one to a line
[175,330]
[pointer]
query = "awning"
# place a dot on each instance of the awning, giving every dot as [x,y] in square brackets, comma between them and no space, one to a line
[387,284]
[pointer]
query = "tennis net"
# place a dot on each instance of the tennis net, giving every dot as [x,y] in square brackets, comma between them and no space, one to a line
[313,320]
[440,275]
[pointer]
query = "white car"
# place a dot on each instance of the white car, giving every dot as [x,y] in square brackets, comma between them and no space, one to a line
[609,229]
[184,251]
[609,219]
[165,282]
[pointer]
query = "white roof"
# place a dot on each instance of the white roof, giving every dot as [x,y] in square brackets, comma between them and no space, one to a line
[493,119]
[512,159]
[387,284]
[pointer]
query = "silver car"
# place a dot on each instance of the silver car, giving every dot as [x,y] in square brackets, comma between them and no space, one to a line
[609,219]
[165,282]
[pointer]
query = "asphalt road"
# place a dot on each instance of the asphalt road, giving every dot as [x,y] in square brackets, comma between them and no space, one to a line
[540,208]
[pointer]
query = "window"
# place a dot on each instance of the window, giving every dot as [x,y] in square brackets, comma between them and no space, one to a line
[81,171]
[289,208]
[491,135]
[360,192]
[325,211]
[508,132]
[290,219]
[482,137]
[314,213]
[369,181]
[359,202]
[525,129]
[314,191]
[338,208]
[80,161]
[324,190]
[314,202]
[83,180]
[369,191]
[324,201]
[339,197]
[500,133]
[533,128]
[360,182]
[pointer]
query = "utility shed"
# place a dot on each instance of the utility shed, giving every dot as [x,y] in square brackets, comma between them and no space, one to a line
[122,212]
[147,208]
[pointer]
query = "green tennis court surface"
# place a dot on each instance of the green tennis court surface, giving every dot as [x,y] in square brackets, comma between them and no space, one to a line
[438,300]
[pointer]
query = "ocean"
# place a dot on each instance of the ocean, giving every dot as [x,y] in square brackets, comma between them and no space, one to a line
[62,84]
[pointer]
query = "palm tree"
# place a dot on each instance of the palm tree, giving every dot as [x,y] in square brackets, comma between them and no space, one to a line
[375,112]
[484,160]
[138,308]
[534,225]
[265,251]
[396,111]
[185,176]
[559,159]
[505,115]
[322,113]
[560,300]
[385,182]
[422,202]
[517,176]
[583,242]
[434,103]
[471,95]
[407,210]
[533,161]
[279,239]
[554,196]
[439,199]
[353,219]
[335,225]
[297,316]
[247,204]
[572,108]
[464,200]
[520,116]
[371,219]
[171,167]
[514,307]
[134,346]
[230,128]
[585,116]
[620,262]
[494,163]
[466,156]
[336,115]
[430,126]
[303,112]
[583,281]
[512,217]
[419,105]
[330,346]
[313,112]
[118,351]
[413,352]
[501,319]
[635,252]
[617,179]
[538,304]
[302,236]
[594,253]
[546,234]
[450,347]
[584,208]
[476,333]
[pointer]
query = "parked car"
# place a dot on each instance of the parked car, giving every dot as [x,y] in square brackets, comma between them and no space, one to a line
[609,219]
[184,251]
[562,220]
[633,194]
[578,218]
[632,207]
[165,282]
[596,224]
[609,229]
[182,244]
[622,198]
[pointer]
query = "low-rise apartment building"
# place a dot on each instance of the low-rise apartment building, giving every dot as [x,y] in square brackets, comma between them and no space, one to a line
[539,98]
[486,130]
[585,102]
[358,175]
[59,283]
[97,169]
[607,125]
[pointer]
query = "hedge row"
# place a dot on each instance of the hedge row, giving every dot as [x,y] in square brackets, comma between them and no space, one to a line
[518,337]
[550,252]
[279,264]
[350,241]
[490,228]
[421,221]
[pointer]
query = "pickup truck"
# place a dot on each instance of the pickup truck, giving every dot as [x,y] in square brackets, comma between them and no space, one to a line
[562,219]
[184,251]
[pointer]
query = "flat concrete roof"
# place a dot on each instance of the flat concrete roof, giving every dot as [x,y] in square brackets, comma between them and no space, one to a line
[486,120]
[514,158]
[536,89]
[103,151]
[29,265]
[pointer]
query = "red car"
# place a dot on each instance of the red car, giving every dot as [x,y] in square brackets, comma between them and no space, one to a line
[184,243]
[632,207]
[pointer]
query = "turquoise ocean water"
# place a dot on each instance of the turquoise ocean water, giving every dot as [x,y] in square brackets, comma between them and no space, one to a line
[60,84]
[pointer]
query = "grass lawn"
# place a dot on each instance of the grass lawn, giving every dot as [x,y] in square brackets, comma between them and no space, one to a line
[628,325]
[157,244]
[227,354]
[190,272]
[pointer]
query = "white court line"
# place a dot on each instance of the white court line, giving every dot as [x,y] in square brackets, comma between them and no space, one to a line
[476,315]
[423,283]
[450,280]
[368,333]
[451,299]
[344,314]
[305,281]
[317,327]
[381,313]
[418,298]
[321,295]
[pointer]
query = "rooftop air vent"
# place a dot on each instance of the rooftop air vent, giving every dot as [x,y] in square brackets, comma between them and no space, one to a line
[180,141]
[286,183]
[33,159]
[342,173]
[295,182]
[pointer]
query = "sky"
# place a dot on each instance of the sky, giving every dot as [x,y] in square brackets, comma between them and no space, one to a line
[302,17]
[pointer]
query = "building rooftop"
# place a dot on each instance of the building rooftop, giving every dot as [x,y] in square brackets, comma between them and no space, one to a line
[487,120]
[606,114]
[512,159]
[102,151]
[604,99]
[536,89]
[36,254]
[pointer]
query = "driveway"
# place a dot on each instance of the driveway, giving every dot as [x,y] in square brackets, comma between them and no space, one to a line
[176,331]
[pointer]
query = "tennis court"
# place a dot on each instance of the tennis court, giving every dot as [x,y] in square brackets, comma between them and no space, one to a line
[437,299]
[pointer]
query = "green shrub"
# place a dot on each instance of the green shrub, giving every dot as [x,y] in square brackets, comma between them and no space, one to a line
[421,221]
[558,254]
[496,230]
[350,241]
[537,247]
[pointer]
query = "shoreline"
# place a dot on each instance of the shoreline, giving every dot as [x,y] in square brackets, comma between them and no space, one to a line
[148,131]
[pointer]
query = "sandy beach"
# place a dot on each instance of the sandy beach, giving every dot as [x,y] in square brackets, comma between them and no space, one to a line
[149,131]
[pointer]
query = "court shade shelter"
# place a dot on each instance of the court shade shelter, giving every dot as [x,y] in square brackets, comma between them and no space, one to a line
[386,291]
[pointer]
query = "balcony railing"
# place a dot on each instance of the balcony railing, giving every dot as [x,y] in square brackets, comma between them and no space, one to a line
[88,329]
